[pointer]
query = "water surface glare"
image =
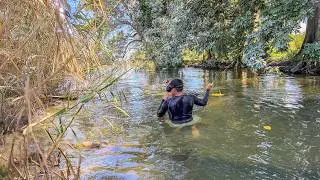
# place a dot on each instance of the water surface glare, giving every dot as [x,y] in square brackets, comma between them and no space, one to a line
[233,143]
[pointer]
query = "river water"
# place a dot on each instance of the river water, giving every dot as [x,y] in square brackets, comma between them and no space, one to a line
[233,140]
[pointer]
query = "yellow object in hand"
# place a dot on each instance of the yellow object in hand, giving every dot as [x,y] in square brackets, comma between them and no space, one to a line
[267,127]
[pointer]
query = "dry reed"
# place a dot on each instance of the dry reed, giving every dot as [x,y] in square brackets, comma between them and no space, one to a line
[38,49]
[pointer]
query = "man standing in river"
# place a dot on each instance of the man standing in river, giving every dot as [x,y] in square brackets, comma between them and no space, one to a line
[180,105]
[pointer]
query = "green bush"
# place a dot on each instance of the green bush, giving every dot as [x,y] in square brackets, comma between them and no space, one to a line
[311,52]
[140,59]
[3,172]
[191,57]
[293,48]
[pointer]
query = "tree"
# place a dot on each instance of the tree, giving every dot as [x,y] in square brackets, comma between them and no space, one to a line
[241,30]
[313,26]
[309,55]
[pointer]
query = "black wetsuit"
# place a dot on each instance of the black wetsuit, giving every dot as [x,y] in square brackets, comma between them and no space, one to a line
[180,107]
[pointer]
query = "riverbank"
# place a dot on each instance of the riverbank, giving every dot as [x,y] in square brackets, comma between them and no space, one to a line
[214,65]
[286,67]
[290,67]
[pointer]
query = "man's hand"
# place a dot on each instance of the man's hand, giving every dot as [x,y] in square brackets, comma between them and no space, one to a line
[166,95]
[209,87]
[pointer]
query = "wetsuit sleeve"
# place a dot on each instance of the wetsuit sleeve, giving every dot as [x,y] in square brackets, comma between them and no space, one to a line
[162,108]
[201,102]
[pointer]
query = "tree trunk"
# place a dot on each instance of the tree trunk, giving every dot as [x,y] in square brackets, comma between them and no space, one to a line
[312,36]
[210,56]
[313,28]
[164,7]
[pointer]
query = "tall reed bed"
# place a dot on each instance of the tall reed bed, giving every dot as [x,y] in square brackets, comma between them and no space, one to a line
[38,48]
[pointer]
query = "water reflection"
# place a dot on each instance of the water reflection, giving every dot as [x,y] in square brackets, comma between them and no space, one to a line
[233,143]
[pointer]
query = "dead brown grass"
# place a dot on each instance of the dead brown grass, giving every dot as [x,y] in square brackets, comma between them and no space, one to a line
[38,48]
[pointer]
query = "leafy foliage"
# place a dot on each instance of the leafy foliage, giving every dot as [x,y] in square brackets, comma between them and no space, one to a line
[293,48]
[190,56]
[242,30]
[247,31]
[312,52]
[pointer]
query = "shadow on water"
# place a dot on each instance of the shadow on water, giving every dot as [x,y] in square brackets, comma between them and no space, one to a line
[233,143]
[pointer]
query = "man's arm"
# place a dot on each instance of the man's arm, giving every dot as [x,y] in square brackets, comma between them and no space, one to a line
[201,102]
[204,101]
[163,106]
